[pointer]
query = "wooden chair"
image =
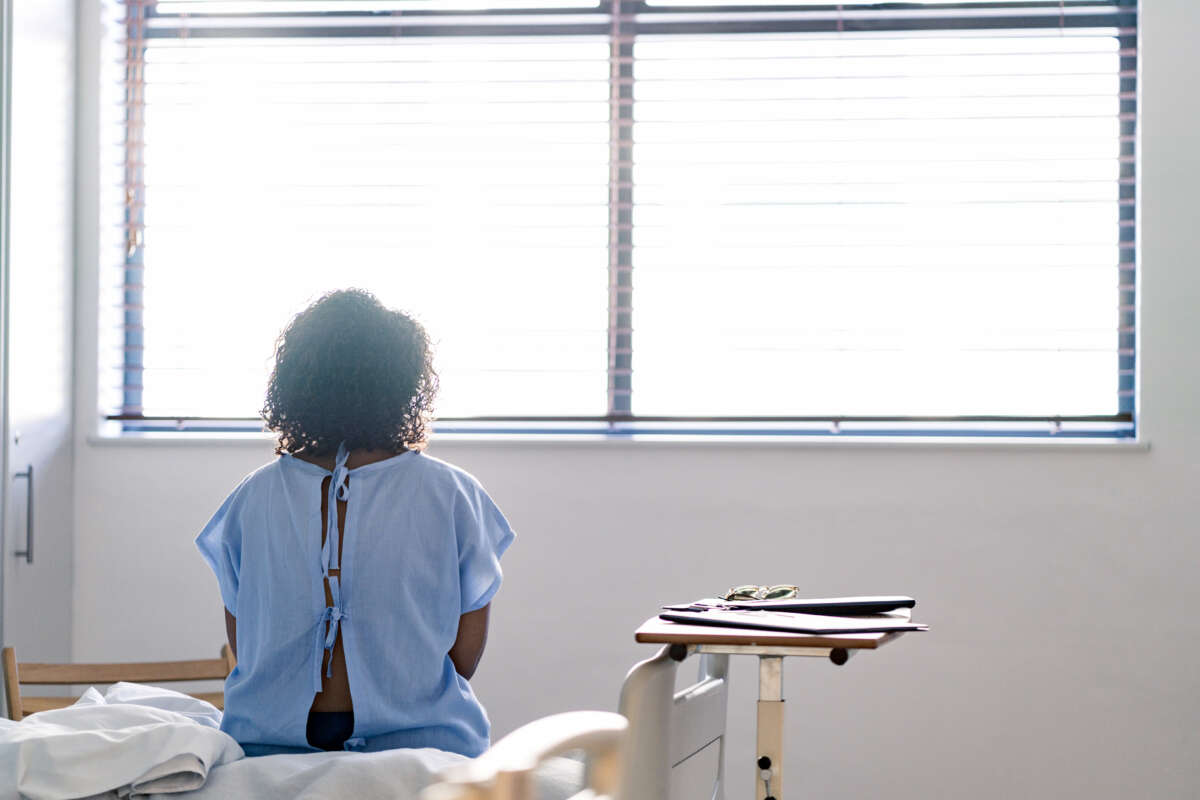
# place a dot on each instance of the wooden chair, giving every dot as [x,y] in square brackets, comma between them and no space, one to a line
[88,674]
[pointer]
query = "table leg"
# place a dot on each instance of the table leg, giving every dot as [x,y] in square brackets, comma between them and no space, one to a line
[770,726]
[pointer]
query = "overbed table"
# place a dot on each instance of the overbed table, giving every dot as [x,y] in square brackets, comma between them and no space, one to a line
[771,647]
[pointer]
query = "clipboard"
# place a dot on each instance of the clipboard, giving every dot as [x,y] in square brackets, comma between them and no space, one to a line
[794,622]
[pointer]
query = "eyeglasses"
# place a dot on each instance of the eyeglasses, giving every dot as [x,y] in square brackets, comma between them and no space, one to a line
[750,592]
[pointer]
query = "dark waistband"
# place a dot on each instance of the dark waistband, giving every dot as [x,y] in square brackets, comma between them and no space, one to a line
[329,730]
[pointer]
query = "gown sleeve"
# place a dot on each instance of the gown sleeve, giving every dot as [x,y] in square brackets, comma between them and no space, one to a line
[221,545]
[483,535]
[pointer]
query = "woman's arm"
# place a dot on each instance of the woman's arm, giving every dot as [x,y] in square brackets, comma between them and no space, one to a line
[231,631]
[472,637]
[466,652]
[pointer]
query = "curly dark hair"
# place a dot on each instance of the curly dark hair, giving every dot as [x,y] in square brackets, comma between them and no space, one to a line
[347,369]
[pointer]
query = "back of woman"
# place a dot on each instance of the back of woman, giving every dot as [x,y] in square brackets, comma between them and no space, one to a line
[356,571]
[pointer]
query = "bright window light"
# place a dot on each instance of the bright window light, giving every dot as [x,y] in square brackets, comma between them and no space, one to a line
[904,226]
[464,181]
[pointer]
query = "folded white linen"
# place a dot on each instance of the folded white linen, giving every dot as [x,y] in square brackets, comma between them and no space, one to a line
[139,694]
[97,746]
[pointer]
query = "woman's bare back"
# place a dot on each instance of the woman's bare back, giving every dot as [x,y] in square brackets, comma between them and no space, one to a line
[335,687]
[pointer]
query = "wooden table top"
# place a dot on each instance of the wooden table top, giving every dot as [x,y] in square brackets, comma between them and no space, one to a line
[661,631]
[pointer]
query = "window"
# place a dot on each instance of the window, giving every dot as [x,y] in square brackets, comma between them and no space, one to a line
[786,217]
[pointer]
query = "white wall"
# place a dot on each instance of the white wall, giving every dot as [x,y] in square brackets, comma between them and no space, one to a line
[1058,579]
[40,311]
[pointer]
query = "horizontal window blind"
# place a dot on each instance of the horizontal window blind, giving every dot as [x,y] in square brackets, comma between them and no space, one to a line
[650,212]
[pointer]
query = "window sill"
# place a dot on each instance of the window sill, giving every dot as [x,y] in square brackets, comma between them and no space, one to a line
[456,440]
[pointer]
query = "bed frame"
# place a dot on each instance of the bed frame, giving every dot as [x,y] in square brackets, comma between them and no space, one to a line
[674,733]
[642,753]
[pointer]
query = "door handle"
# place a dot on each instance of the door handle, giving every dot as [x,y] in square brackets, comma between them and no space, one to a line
[28,551]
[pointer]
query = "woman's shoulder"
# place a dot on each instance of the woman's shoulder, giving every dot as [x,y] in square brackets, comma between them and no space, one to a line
[436,473]
[271,471]
[258,481]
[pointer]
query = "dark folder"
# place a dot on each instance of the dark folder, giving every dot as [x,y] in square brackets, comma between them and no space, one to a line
[828,606]
[793,622]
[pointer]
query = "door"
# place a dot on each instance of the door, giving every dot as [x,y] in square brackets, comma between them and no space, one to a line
[38,506]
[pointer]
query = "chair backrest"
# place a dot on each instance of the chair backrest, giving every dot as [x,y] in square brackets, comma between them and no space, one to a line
[672,734]
[31,673]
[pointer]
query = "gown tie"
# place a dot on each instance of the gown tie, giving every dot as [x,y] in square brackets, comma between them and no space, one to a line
[331,559]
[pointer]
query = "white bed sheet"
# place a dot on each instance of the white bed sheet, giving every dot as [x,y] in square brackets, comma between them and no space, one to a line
[144,741]
[387,775]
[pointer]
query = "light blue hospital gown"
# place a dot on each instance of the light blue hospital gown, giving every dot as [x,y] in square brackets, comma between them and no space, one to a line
[422,546]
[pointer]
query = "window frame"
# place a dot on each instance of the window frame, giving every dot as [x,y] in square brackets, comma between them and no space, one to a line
[622,21]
